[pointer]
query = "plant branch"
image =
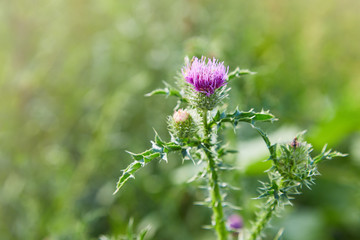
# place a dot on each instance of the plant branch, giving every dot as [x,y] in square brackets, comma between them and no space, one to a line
[263,219]
[216,199]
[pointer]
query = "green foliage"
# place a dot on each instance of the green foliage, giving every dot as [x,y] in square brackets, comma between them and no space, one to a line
[204,147]
[292,166]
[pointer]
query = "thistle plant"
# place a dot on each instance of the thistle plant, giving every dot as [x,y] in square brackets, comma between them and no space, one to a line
[194,130]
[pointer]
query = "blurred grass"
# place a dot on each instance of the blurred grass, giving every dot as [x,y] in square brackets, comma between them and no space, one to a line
[73,76]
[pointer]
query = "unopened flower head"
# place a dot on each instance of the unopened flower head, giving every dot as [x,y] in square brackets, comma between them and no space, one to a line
[205,76]
[294,160]
[181,124]
[181,116]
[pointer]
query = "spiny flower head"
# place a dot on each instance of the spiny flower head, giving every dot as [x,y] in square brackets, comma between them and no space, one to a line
[205,76]
[295,163]
[181,124]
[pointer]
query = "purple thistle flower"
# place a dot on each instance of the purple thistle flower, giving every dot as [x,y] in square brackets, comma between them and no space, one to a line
[205,77]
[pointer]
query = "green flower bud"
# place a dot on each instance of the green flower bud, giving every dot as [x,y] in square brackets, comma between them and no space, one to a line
[294,161]
[181,124]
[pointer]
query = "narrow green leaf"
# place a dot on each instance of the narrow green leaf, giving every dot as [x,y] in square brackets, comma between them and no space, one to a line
[238,73]
[231,206]
[173,146]
[168,91]
[130,232]
[157,92]
[279,234]
[142,234]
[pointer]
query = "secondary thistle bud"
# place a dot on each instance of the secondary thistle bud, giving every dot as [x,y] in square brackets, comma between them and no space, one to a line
[207,81]
[294,160]
[181,124]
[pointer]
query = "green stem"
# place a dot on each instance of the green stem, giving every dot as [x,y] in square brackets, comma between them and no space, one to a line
[206,127]
[216,199]
[263,219]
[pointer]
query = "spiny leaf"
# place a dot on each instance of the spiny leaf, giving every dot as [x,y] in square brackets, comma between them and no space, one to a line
[187,155]
[158,139]
[240,116]
[127,173]
[159,150]
[263,195]
[327,154]
[156,148]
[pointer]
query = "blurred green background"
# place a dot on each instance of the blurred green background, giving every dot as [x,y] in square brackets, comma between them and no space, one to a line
[73,75]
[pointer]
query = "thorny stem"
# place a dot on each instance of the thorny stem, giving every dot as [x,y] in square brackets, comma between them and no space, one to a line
[263,219]
[206,127]
[216,199]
